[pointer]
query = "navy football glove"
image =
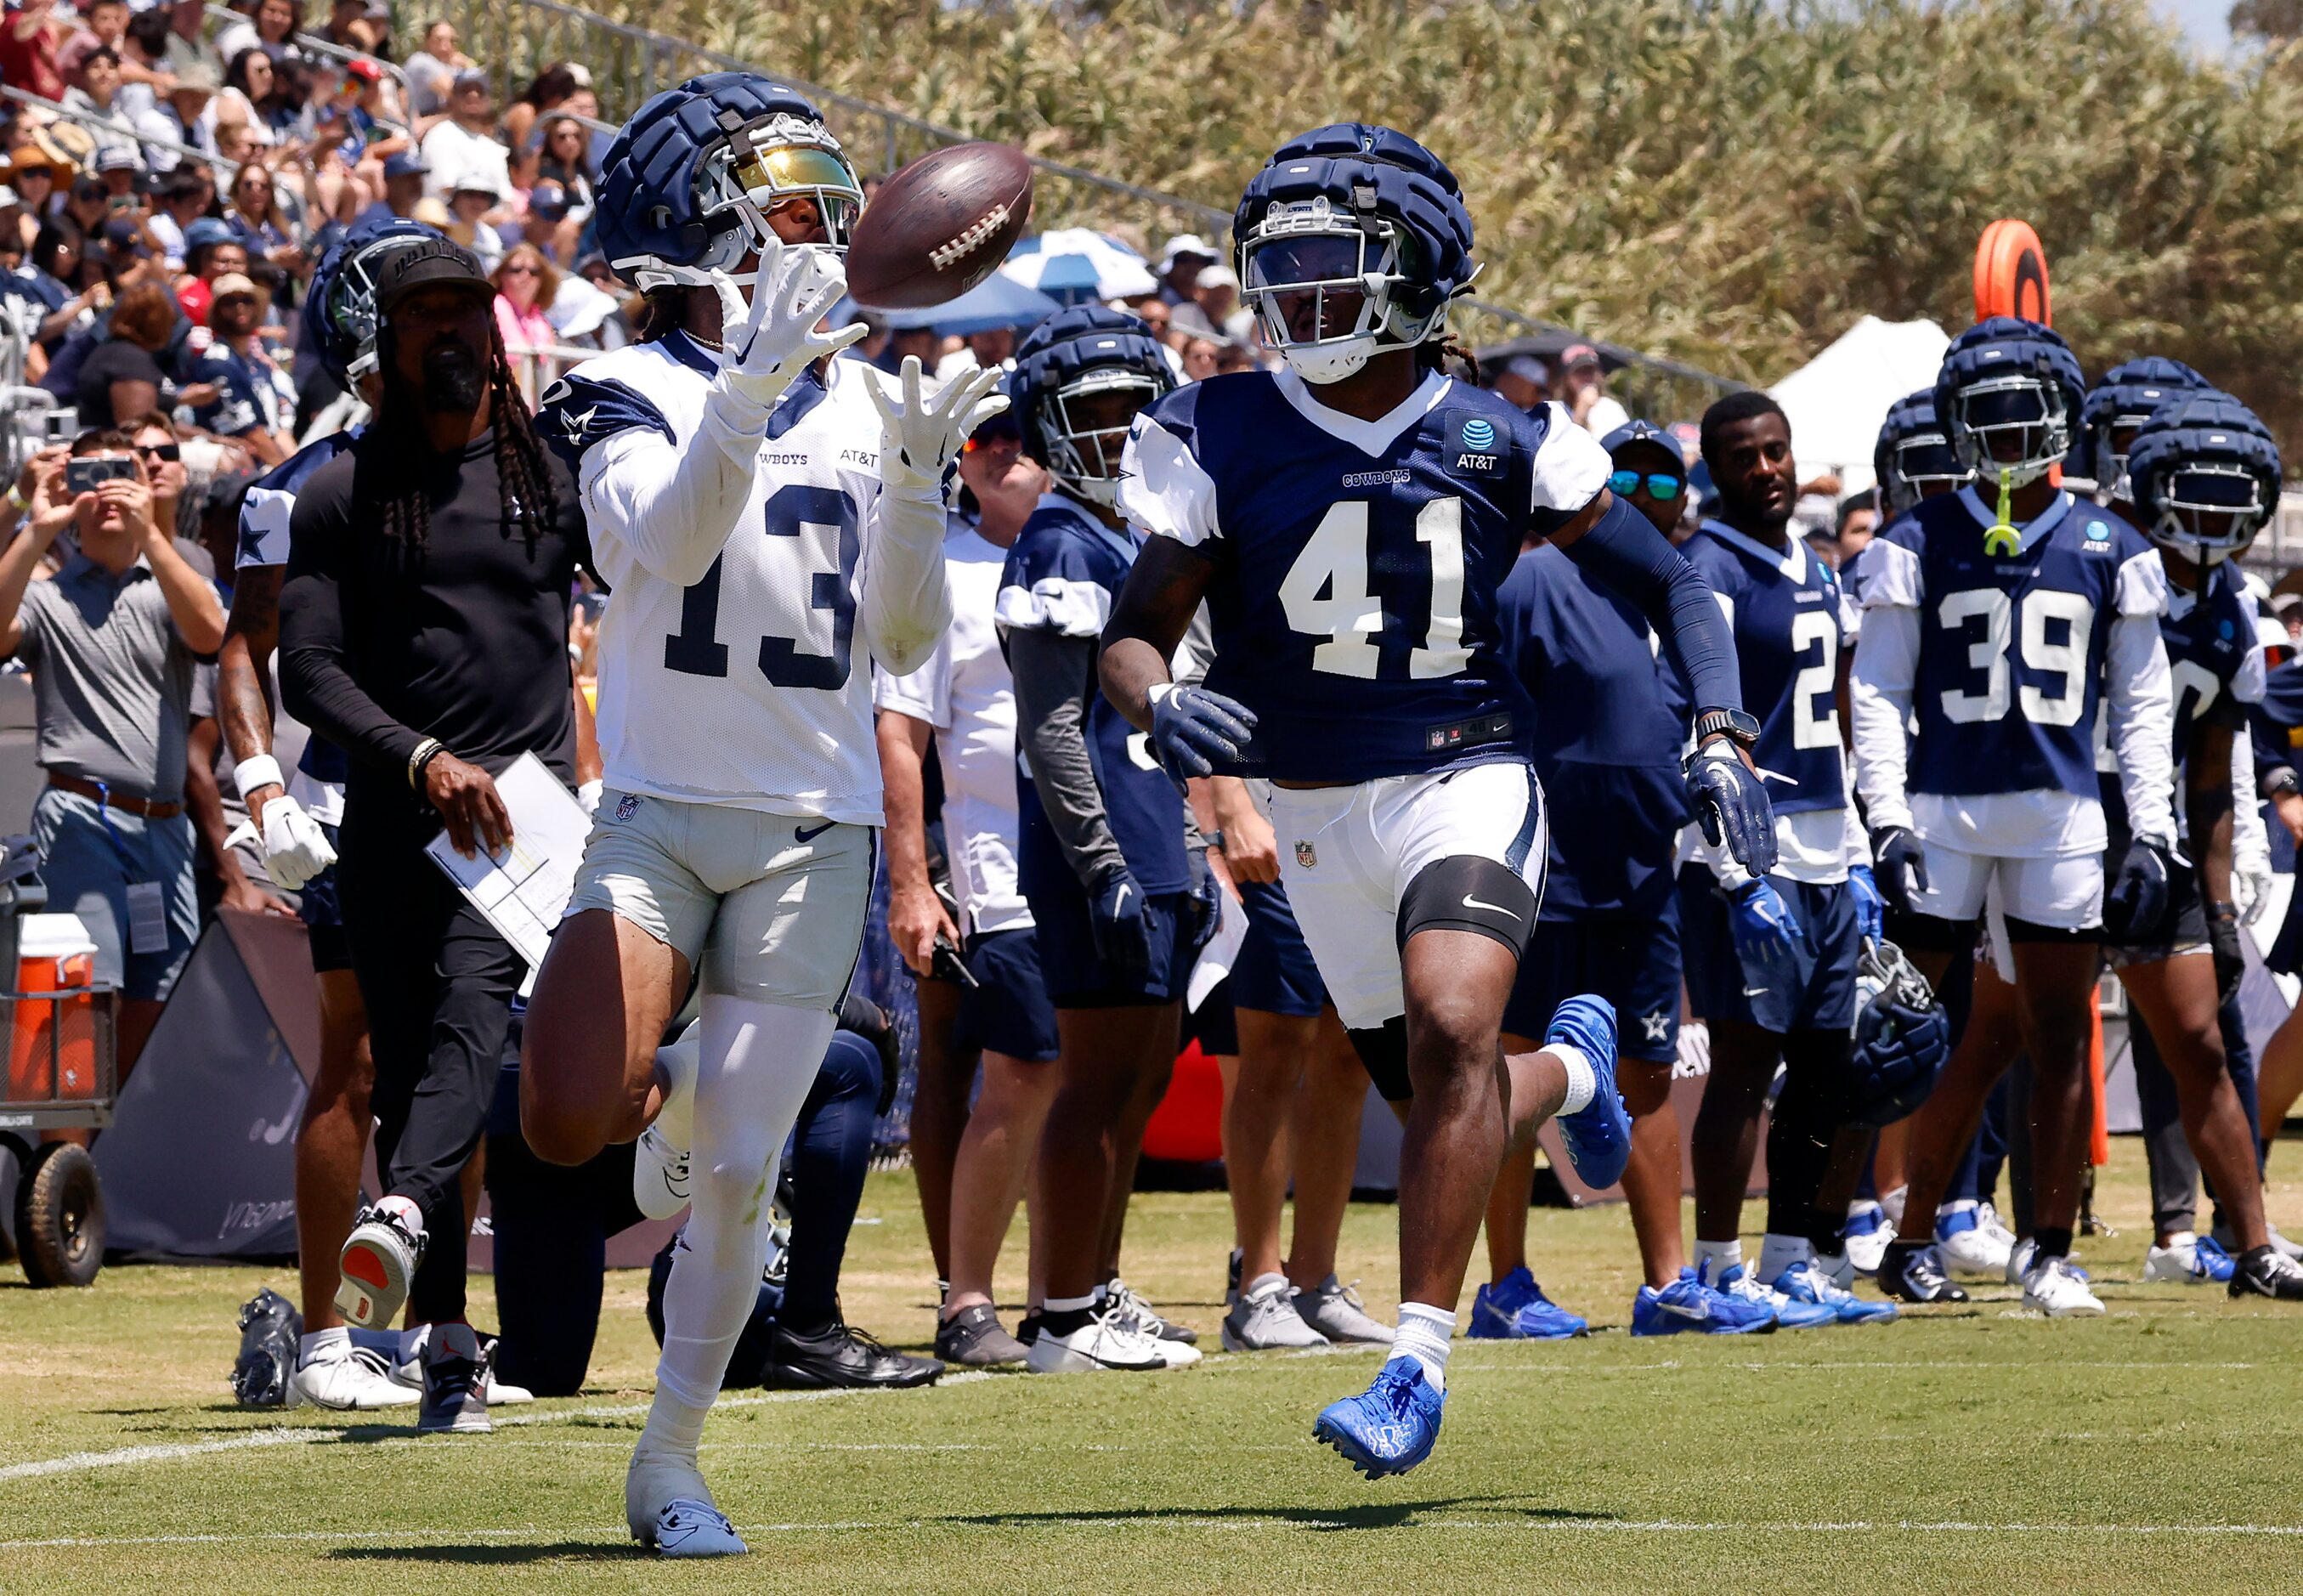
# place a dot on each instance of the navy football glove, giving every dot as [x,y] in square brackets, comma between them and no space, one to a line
[2223,938]
[1122,931]
[2139,894]
[1871,909]
[1729,801]
[1205,903]
[1762,924]
[1192,727]
[1901,861]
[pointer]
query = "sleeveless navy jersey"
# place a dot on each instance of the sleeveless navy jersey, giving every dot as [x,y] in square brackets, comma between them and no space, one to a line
[1610,720]
[2212,654]
[1063,571]
[264,512]
[1783,605]
[1357,563]
[2012,645]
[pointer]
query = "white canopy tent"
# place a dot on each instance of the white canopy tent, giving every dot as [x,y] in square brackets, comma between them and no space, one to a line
[1836,401]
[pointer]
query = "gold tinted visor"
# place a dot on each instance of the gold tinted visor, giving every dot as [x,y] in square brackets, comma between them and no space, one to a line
[781,173]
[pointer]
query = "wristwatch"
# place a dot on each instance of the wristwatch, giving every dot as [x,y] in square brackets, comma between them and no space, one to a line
[1738,727]
[2281,783]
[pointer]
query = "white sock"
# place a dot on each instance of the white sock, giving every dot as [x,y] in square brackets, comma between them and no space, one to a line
[313,1341]
[1778,1252]
[412,1342]
[1891,1203]
[675,1071]
[1582,1081]
[755,1063]
[1425,1334]
[1713,1259]
[405,1207]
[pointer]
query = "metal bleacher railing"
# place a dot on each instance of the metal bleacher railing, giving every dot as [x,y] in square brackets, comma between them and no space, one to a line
[517,37]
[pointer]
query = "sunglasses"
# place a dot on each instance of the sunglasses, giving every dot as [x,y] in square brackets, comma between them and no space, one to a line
[997,430]
[167,453]
[1660,484]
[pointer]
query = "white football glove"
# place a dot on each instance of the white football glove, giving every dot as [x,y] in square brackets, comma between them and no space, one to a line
[2251,881]
[295,847]
[766,345]
[922,437]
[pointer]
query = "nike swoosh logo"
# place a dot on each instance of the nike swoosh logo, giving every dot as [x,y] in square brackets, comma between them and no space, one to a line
[808,834]
[1683,1311]
[1120,899]
[1493,909]
[1754,992]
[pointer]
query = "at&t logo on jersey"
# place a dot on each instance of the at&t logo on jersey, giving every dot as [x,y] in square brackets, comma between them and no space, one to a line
[2098,538]
[1477,456]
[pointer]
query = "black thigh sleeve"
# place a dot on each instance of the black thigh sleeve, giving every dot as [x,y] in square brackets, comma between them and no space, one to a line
[1470,893]
[1383,1052]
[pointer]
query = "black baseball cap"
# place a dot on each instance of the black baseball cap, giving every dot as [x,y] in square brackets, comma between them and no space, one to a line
[423,264]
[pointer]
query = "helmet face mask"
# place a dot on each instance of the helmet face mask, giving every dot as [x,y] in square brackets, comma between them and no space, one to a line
[765,166]
[1329,289]
[1922,461]
[1083,426]
[2014,425]
[2207,511]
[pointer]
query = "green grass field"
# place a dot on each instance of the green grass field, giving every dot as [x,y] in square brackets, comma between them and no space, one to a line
[1970,1450]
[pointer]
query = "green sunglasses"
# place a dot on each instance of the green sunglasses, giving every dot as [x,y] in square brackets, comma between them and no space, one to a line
[1661,484]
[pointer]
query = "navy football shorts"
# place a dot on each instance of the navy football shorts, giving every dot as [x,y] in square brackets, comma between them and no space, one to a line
[1077,978]
[1275,972]
[1814,990]
[1632,961]
[318,906]
[1007,1010]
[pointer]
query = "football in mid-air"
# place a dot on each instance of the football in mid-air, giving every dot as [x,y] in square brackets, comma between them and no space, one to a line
[940,226]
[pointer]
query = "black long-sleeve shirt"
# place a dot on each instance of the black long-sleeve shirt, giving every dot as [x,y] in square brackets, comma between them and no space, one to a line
[464,637]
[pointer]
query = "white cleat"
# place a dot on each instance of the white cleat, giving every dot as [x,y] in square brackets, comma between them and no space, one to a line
[1266,1319]
[1868,1231]
[1967,1247]
[2018,1261]
[1107,1343]
[668,1506]
[660,1174]
[333,1373]
[379,1258]
[2057,1290]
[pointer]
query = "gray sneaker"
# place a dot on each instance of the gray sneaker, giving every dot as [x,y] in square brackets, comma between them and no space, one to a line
[973,1339]
[1265,1318]
[455,1384]
[2228,1240]
[1335,1309]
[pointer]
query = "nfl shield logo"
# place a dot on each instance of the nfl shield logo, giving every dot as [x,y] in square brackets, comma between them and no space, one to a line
[628,806]
[1307,855]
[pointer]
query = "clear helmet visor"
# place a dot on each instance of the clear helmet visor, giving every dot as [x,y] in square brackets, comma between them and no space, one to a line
[1326,291]
[1085,425]
[2017,427]
[2209,512]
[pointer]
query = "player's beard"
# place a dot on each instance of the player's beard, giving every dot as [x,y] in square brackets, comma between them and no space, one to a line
[454,376]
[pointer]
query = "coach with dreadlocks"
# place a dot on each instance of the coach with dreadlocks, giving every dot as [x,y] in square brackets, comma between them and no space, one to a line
[423,629]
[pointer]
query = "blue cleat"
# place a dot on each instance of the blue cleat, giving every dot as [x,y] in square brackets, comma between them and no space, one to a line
[1688,1306]
[1803,1282]
[1739,1283]
[1599,1134]
[1515,1309]
[1391,1428]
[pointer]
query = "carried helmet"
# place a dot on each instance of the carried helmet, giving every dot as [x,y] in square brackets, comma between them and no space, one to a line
[1903,1039]
[2205,475]
[1362,215]
[1062,368]
[1913,455]
[686,185]
[340,313]
[2122,400]
[2007,395]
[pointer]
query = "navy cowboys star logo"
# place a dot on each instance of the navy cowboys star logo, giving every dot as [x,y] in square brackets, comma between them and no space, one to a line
[1307,855]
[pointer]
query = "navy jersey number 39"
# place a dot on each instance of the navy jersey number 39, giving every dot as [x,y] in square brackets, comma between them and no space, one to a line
[824,520]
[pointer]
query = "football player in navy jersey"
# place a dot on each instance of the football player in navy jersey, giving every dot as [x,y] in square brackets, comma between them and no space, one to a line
[1771,960]
[2203,476]
[1348,520]
[1614,718]
[1121,900]
[1997,621]
[2122,400]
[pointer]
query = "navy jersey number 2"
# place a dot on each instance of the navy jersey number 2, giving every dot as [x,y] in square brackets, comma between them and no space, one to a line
[824,520]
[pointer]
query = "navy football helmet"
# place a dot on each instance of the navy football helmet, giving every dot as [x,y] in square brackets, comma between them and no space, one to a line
[1080,378]
[1913,458]
[1903,1039]
[2122,400]
[686,186]
[2205,475]
[1350,240]
[2007,395]
[339,319]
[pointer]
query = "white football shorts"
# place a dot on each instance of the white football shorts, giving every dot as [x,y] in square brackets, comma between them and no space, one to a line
[1348,854]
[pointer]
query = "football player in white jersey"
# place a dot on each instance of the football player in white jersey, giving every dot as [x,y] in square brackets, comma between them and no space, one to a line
[770,521]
